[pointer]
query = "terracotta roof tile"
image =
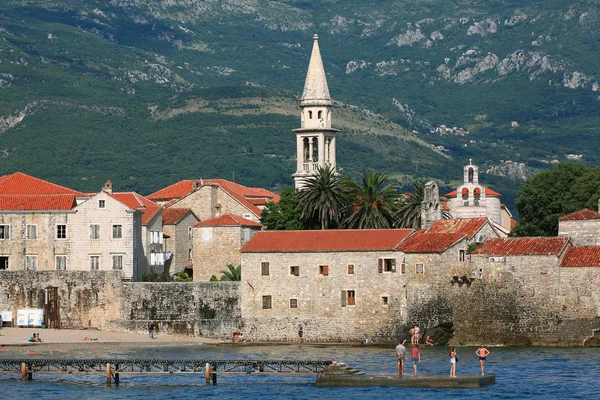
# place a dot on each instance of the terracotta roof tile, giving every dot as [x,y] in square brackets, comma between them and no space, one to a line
[20,183]
[326,240]
[138,202]
[464,226]
[488,192]
[422,242]
[175,191]
[581,215]
[228,220]
[523,246]
[172,215]
[37,202]
[581,256]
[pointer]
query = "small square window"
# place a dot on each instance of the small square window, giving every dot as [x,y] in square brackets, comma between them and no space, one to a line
[385,300]
[117,231]
[61,231]
[324,270]
[4,232]
[101,203]
[350,269]
[351,297]
[293,303]
[419,269]
[264,268]
[266,302]
[295,270]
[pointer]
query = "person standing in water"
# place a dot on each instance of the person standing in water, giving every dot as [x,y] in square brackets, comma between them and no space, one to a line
[400,353]
[482,352]
[415,356]
[453,359]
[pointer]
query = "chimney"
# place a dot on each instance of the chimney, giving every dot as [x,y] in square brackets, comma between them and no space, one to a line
[108,187]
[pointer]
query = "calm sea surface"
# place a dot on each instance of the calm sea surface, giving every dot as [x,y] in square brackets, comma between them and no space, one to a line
[521,373]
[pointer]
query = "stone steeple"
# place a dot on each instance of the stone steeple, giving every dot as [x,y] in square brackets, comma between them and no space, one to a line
[315,140]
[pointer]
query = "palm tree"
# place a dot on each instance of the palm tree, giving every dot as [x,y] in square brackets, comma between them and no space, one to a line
[232,273]
[409,208]
[373,205]
[323,197]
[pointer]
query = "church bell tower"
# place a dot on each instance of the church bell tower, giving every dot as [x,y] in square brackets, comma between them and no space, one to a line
[315,140]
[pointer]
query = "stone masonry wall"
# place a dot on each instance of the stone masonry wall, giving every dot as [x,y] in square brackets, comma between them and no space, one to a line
[210,309]
[581,233]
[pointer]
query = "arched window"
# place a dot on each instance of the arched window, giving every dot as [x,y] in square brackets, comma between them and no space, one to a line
[465,196]
[315,157]
[310,115]
[320,115]
[471,173]
[476,195]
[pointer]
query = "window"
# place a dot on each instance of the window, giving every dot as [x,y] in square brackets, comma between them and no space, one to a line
[310,115]
[320,115]
[31,232]
[61,231]
[419,269]
[31,262]
[295,270]
[462,255]
[190,254]
[94,263]
[247,233]
[155,237]
[387,265]
[117,231]
[350,269]
[190,233]
[101,203]
[61,263]
[207,234]
[4,232]
[293,303]
[266,300]
[247,216]
[403,266]
[324,270]
[94,232]
[3,262]
[348,298]
[264,268]
[117,261]
[385,300]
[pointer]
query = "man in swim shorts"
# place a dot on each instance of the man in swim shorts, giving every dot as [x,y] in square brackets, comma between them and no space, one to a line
[482,352]
[400,353]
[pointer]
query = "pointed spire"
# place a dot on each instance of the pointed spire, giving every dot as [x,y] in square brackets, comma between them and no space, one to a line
[316,91]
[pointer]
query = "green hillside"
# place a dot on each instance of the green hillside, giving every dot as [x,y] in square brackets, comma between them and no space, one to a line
[147,92]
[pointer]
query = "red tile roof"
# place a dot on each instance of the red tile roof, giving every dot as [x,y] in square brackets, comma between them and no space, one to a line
[581,256]
[228,220]
[581,215]
[524,246]
[37,202]
[422,242]
[326,240]
[464,226]
[136,201]
[20,183]
[488,192]
[248,197]
[171,216]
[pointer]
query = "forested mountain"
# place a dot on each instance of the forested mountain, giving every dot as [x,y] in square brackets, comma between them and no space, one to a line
[147,92]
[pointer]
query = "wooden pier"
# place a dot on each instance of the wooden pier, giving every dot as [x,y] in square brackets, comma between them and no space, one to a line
[422,381]
[113,368]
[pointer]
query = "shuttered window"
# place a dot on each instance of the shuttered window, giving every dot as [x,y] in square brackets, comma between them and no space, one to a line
[266,302]
[350,269]
[295,270]
[95,232]
[61,263]
[264,268]
[387,265]
[31,232]
[324,270]
[348,298]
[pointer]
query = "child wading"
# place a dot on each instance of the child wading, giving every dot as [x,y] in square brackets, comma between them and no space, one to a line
[482,352]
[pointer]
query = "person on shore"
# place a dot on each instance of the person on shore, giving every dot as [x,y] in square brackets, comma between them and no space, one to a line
[242,338]
[453,359]
[416,357]
[482,352]
[90,339]
[151,330]
[416,333]
[400,353]
[428,341]
[300,333]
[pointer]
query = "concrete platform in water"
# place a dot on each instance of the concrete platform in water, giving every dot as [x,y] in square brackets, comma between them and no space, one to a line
[423,381]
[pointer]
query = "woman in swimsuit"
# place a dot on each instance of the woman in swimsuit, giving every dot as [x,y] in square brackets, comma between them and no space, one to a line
[482,352]
[452,356]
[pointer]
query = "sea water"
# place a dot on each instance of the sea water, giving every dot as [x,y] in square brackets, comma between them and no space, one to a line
[521,373]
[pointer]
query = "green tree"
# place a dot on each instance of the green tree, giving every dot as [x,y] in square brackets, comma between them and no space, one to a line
[182,276]
[373,205]
[232,273]
[409,208]
[284,215]
[551,194]
[323,197]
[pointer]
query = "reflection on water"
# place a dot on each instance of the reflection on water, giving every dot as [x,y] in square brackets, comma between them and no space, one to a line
[521,373]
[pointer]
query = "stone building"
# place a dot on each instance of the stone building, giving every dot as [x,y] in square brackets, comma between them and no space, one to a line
[581,227]
[315,139]
[178,235]
[472,200]
[217,243]
[211,198]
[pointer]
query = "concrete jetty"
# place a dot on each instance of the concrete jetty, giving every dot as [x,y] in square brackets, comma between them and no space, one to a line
[423,381]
